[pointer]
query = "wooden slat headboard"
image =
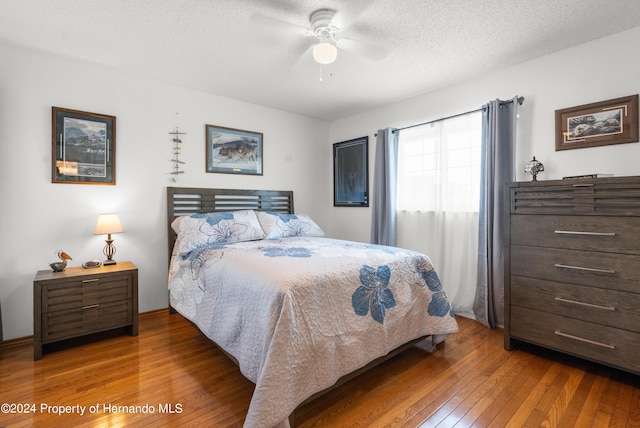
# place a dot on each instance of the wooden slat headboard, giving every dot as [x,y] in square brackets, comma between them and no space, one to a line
[192,200]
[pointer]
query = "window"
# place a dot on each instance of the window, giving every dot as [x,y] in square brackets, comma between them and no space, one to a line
[438,200]
[439,165]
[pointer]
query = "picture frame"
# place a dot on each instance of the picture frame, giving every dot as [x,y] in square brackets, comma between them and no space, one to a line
[233,151]
[351,173]
[603,123]
[83,147]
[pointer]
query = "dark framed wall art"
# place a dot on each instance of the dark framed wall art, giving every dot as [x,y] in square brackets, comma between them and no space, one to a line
[83,147]
[603,123]
[351,173]
[233,151]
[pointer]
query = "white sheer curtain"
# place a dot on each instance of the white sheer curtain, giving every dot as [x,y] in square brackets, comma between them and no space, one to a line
[438,200]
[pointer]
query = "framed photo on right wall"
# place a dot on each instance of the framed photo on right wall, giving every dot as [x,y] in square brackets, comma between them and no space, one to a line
[351,173]
[603,123]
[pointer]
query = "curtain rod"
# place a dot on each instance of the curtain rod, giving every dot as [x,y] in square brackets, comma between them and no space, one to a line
[520,101]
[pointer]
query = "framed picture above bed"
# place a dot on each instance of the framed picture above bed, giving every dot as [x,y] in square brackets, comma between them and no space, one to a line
[83,147]
[351,173]
[603,123]
[233,151]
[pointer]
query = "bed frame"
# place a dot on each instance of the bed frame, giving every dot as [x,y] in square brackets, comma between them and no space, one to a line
[190,200]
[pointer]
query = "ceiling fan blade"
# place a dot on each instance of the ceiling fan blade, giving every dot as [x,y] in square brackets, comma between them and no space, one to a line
[349,12]
[304,57]
[365,49]
[277,25]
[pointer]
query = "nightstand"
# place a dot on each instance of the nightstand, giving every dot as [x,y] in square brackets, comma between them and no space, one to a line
[79,301]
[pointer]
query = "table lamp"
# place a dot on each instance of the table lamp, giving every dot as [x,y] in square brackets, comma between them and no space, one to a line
[106,225]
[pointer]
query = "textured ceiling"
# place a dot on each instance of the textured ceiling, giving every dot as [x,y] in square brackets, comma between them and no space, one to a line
[234,48]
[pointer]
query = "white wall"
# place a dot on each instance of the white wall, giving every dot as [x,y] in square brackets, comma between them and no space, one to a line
[600,70]
[38,217]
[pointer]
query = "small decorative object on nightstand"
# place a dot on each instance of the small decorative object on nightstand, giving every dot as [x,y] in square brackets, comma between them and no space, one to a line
[59,266]
[91,264]
[106,225]
[534,167]
[78,302]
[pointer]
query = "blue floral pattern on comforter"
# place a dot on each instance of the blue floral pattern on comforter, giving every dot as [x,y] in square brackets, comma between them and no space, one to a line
[374,293]
[297,313]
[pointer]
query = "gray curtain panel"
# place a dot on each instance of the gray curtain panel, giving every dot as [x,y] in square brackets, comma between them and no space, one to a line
[497,168]
[385,178]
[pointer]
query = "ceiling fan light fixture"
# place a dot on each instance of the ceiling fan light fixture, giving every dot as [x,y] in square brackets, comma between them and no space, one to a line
[325,52]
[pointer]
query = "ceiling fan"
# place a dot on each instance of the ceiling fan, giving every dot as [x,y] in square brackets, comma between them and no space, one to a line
[325,26]
[325,51]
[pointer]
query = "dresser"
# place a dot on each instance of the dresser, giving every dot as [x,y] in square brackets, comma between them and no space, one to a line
[572,268]
[78,302]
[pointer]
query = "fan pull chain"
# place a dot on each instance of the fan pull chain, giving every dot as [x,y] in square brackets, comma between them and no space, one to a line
[322,74]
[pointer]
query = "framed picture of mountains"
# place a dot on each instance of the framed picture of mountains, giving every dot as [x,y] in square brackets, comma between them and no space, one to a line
[83,147]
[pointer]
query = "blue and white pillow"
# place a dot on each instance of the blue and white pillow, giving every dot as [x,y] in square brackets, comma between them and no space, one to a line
[202,230]
[277,226]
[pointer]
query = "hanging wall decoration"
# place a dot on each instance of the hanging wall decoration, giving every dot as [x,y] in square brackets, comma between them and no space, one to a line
[83,147]
[177,146]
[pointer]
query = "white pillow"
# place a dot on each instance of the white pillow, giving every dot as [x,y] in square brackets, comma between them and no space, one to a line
[277,226]
[201,230]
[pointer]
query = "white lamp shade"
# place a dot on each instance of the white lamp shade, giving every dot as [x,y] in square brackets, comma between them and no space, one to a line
[325,52]
[108,223]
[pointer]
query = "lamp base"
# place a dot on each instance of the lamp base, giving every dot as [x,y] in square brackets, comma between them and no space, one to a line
[109,250]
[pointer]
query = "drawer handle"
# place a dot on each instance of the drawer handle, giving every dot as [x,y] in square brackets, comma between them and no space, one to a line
[607,271]
[589,305]
[91,306]
[583,185]
[572,232]
[91,280]
[582,339]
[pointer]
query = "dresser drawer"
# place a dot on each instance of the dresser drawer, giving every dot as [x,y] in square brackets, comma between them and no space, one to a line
[609,307]
[591,233]
[618,348]
[76,294]
[603,196]
[84,320]
[603,270]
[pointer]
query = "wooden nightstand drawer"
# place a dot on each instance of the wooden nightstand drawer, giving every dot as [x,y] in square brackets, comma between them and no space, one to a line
[77,294]
[85,320]
[78,301]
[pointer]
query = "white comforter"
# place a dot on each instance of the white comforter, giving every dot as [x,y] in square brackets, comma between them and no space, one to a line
[298,313]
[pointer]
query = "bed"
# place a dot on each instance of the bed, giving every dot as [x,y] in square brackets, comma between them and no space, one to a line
[297,311]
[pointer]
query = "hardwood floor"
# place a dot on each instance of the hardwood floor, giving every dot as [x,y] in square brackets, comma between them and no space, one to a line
[186,381]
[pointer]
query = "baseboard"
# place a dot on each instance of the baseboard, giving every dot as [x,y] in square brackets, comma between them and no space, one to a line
[14,343]
[22,341]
